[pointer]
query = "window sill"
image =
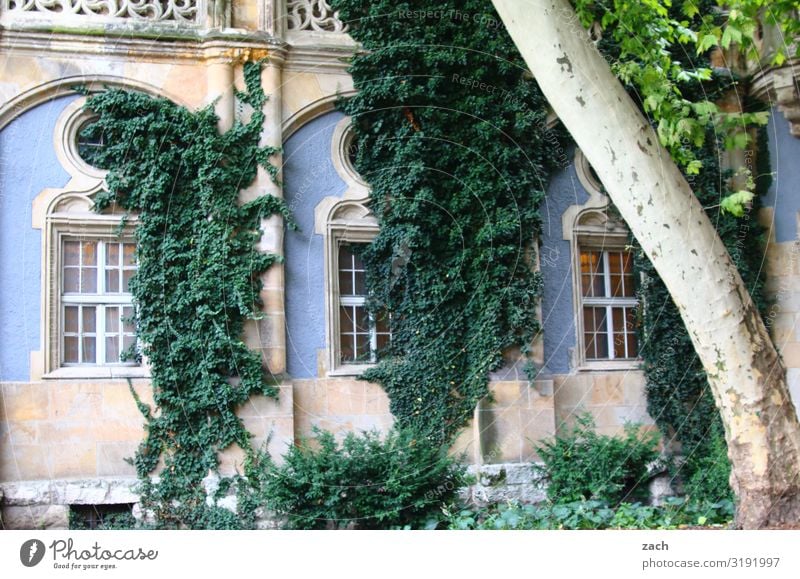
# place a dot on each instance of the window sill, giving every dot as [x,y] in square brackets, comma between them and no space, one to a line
[99,372]
[610,366]
[350,370]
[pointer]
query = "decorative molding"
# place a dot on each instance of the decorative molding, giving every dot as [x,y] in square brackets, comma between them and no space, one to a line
[781,87]
[313,15]
[60,87]
[172,12]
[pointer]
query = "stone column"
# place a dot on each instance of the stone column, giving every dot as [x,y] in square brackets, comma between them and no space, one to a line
[220,86]
[271,331]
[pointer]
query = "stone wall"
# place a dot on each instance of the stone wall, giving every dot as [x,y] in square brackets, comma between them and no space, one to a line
[612,398]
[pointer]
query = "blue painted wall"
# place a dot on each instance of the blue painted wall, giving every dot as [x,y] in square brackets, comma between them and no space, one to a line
[784,193]
[28,164]
[309,176]
[563,190]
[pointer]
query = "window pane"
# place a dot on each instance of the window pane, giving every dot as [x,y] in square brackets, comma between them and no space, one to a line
[128,325]
[112,320]
[357,263]
[627,263]
[89,319]
[633,346]
[71,320]
[89,253]
[614,262]
[126,280]
[88,280]
[112,254]
[71,252]
[71,284]
[629,286]
[362,347]
[89,352]
[71,349]
[112,350]
[361,283]
[347,351]
[346,283]
[346,320]
[362,319]
[112,280]
[129,254]
[595,332]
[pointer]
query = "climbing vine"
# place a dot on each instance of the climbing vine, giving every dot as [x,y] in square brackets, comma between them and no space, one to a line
[196,285]
[454,142]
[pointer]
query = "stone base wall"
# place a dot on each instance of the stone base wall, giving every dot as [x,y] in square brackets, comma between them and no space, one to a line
[45,504]
[612,398]
[507,425]
[60,429]
[339,405]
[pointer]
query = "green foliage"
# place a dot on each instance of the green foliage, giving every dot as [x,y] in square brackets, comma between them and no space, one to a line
[652,45]
[582,464]
[197,282]
[454,143]
[674,513]
[709,469]
[121,521]
[365,482]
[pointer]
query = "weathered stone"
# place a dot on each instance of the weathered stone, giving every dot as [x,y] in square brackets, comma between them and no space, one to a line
[40,517]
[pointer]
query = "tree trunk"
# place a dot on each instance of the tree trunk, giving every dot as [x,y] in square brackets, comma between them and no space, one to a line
[745,373]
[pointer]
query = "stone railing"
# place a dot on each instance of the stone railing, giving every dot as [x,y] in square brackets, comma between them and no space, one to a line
[169,13]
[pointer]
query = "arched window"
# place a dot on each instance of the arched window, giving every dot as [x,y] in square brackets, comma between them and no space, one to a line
[605,289]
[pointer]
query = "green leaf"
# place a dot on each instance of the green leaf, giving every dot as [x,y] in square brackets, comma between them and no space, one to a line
[736,203]
[708,41]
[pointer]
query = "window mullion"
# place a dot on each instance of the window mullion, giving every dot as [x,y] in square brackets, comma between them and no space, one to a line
[101,260]
[100,324]
[610,334]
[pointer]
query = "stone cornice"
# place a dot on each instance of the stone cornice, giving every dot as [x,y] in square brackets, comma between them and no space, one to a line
[229,46]
[319,59]
[780,87]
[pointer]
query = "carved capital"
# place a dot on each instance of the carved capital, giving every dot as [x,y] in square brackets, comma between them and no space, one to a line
[781,87]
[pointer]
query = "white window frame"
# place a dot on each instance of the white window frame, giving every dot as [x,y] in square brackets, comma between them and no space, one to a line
[100,300]
[608,302]
[336,237]
[354,301]
[585,239]
[67,227]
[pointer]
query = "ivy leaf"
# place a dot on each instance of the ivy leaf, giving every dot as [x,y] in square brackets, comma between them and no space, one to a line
[736,203]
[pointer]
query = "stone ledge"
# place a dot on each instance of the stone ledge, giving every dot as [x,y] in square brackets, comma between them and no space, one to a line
[65,492]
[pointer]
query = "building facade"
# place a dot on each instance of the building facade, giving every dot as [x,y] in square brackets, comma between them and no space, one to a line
[68,419]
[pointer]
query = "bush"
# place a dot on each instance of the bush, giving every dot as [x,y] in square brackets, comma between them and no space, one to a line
[674,513]
[584,465]
[708,470]
[366,482]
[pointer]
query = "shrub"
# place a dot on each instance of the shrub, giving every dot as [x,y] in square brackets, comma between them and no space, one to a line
[584,465]
[708,470]
[674,513]
[365,482]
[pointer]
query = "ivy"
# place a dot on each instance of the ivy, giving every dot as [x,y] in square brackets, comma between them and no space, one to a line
[196,285]
[454,143]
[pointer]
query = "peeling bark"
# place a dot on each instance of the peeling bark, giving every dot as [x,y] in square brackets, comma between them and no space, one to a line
[744,370]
